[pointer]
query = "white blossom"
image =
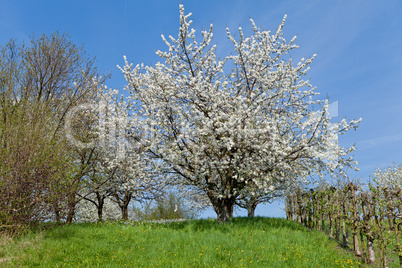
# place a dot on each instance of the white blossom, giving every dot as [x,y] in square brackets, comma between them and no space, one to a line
[390,177]
[219,129]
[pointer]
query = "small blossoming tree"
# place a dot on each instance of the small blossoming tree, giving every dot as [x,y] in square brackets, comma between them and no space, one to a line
[390,177]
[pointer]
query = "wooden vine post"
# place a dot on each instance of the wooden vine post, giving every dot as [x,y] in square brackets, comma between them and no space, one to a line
[355,219]
[367,228]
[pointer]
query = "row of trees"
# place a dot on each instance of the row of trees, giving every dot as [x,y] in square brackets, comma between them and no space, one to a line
[49,169]
[371,218]
[237,130]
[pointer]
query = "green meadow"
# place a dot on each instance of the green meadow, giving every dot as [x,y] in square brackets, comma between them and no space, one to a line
[244,242]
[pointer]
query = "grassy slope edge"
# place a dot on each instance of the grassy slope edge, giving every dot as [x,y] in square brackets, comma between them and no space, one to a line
[244,242]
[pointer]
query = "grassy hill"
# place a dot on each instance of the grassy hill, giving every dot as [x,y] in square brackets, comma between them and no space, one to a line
[244,242]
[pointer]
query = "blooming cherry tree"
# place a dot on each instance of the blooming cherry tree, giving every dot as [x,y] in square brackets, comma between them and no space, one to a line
[252,195]
[123,143]
[248,118]
[390,177]
[121,171]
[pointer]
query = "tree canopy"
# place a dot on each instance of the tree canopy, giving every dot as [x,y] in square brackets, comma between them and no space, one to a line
[250,117]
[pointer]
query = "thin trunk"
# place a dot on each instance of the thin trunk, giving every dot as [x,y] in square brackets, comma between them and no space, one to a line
[398,245]
[364,253]
[71,208]
[345,235]
[400,260]
[331,227]
[251,209]
[322,222]
[299,208]
[124,212]
[356,249]
[370,250]
[71,213]
[337,228]
[367,230]
[100,213]
[355,220]
[390,221]
[383,256]
[123,203]
[124,207]
[292,214]
[101,202]
[381,241]
[57,212]
[288,205]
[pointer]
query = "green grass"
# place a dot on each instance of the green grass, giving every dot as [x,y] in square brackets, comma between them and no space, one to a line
[391,252]
[244,242]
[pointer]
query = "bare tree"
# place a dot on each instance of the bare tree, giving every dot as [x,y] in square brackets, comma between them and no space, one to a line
[40,81]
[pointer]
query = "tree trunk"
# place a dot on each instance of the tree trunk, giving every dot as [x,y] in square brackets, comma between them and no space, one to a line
[71,208]
[124,206]
[57,212]
[100,213]
[337,228]
[251,209]
[355,221]
[223,208]
[356,248]
[331,227]
[124,212]
[123,203]
[224,213]
[289,214]
[364,254]
[398,247]
[367,230]
[345,235]
[370,250]
[400,261]
[101,202]
[322,222]
[71,213]
[299,207]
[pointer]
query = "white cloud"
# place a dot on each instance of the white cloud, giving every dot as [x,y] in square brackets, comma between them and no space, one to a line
[380,140]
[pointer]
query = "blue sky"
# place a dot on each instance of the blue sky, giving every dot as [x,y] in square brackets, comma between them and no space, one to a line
[358,43]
